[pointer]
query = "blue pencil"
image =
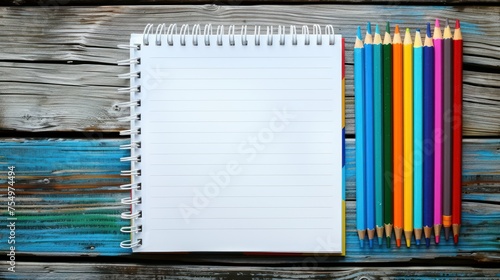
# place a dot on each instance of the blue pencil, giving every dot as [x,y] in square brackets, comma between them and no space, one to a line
[370,176]
[428,136]
[359,103]
[417,136]
[378,132]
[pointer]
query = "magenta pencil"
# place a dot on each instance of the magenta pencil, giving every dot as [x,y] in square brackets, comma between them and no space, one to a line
[438,129]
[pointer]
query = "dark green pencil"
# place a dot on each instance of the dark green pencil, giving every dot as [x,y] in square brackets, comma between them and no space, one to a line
[387,136]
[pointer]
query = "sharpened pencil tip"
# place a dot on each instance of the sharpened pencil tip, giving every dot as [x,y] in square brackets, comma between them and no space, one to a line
[447,22]
[388,241]
[418,30]
[428,32]
[396,29]
[417,242]
[388,27]
[380,241]
[436,239]
[436,24]
[377,30]
[359,32]
[361,243]
[457,24]
[446,233]
[398,242]
[455,238]
[427,242]
[369,28]
[408,30]
[370,243]
[408,242]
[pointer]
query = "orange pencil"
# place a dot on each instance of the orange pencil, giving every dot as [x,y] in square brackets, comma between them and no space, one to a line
[397,97]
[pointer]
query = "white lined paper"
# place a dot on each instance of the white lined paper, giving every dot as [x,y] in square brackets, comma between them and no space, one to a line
[241,147]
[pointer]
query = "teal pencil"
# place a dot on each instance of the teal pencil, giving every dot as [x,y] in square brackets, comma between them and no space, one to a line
[370,155]
[359,108]
[378,132]
[418,137]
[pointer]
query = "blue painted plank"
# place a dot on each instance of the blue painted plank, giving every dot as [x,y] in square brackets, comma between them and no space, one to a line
[68,202]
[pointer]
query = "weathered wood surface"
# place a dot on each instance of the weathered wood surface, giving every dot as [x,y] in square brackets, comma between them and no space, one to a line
[58,68]
[52,3]
[68,203]
[51,271]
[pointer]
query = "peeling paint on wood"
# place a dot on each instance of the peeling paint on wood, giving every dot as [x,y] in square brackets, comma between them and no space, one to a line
[68,203]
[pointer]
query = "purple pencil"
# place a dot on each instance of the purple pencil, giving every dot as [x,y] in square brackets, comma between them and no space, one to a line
[438,129]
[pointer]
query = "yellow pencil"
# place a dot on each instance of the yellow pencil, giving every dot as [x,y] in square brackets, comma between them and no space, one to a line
[408,136]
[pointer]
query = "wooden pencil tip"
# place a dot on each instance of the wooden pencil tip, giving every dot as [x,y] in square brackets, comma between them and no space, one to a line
[457,24]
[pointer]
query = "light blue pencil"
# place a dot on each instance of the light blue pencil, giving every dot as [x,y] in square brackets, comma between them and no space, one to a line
[418,137]
[359,107]
[370,170]
[378,132]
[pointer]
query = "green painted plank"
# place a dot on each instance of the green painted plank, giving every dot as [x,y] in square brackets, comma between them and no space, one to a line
[67,203]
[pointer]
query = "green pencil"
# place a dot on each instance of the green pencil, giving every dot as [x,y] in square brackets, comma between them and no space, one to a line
[387,135]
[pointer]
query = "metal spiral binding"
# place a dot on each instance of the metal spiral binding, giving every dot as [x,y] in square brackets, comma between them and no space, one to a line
[134,118]
[171,35]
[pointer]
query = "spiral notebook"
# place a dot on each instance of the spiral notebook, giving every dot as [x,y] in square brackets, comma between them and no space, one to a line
[237,140]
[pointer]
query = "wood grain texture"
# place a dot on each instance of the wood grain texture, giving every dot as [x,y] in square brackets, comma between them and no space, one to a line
[59,73]
[68,203]
[58,270]
[43,3]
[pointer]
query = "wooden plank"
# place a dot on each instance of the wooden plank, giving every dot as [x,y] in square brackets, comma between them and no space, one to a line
[42,97]
[59,73]
[81,97]
[90,34]
[51,3]
[68,203]
[62,270]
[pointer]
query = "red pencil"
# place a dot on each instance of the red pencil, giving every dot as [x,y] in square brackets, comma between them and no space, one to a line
[456,213]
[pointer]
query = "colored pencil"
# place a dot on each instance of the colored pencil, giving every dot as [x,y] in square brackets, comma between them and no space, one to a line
[417,135]
[370,178]
[438,129]
[378,132]
[456,214]
[447,118]
[428,172]
[387,101]
[397,97]
[408,136]
[359,99]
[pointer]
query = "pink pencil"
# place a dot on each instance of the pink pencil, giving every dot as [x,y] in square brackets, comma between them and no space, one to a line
[438,129]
